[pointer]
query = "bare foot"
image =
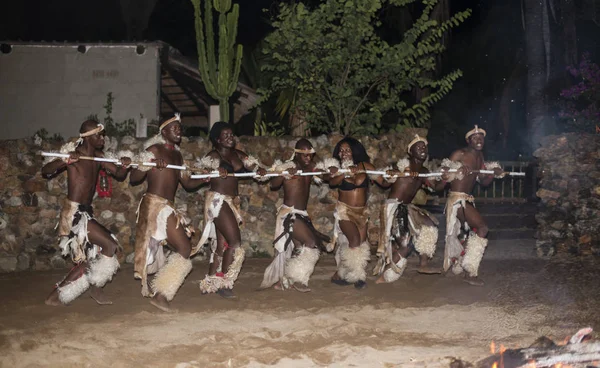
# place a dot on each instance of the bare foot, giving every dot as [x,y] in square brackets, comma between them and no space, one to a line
[380,280]
[428,270]
[161,303]
[98,295]
[301,288]
[278,286]
[52,299]
[474,281]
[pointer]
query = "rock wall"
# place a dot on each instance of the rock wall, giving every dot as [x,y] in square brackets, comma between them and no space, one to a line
[569,212]
[30,204]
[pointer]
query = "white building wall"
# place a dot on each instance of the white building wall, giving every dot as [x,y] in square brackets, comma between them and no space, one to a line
[54,86]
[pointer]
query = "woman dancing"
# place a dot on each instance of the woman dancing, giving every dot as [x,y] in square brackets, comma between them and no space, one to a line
[351,215]
[222,213]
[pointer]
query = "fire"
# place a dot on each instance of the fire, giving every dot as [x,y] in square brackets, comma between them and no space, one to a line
[493,347]
[495,365]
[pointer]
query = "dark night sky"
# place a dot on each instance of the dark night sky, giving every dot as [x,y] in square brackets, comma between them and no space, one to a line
[172,21]
[73,20]
[485,47]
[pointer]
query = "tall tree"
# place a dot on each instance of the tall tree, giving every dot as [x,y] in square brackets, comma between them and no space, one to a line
[536,108]
[219,66]
[346,76]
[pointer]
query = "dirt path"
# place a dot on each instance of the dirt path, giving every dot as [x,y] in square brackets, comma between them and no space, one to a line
[419,321]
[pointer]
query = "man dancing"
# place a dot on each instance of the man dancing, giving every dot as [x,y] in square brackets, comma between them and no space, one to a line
[91,246]
[297,242]
[158,220]
[402,221]
[460,207]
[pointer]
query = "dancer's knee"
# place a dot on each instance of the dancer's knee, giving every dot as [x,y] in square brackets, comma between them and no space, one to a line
[482,231]
[109,248]
[185,250]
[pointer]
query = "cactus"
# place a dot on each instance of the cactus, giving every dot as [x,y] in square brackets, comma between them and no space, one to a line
[219,77]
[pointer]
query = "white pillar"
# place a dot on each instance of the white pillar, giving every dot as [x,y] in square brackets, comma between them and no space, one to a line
[141,128]
[214,115]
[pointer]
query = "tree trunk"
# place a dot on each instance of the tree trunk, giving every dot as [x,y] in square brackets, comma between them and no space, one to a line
[505,100]
[536,72]
[298,123]
[440,13]
[224,109]
[569,13]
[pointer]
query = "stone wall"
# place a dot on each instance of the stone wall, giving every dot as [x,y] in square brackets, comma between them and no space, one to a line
[30,204]
[569,212]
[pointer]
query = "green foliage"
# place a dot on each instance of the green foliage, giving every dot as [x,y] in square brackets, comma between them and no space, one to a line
[219,77]
[45,135]
[271,129]
[112,128]
[345,76]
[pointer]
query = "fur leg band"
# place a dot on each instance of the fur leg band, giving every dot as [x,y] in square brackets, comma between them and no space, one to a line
[391,275]
[102,270]
[473,254]
[300,267]
[170,277]
[212,284]
[72,290]
[353,262]
[426,241]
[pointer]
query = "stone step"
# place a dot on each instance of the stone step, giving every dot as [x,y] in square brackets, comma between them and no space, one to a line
[504,234]
[501,222]
[505,221]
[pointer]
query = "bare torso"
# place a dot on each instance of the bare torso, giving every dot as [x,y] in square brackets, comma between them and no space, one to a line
[164,182]
[232,161]
[472,160]
[82,177]
[297,190]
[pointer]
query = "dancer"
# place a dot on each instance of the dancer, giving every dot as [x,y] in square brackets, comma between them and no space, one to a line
[402,221]
[296,240]
[460,207]
[91,246]
[158,221]
[222,215]
[351,214]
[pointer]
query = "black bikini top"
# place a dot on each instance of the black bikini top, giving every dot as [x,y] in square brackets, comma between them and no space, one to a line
[227,166]
[348,186]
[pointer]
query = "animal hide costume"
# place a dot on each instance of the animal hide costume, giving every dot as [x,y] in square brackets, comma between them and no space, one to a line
[72,229]
[455,255]
[213,203]
[151,233]
[283,267]
[351,262]
[401,222]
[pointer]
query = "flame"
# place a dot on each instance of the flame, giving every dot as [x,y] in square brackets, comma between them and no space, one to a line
[495,365]
[492,347]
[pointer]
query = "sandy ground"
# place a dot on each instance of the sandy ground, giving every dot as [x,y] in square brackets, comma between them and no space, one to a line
[419,321]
